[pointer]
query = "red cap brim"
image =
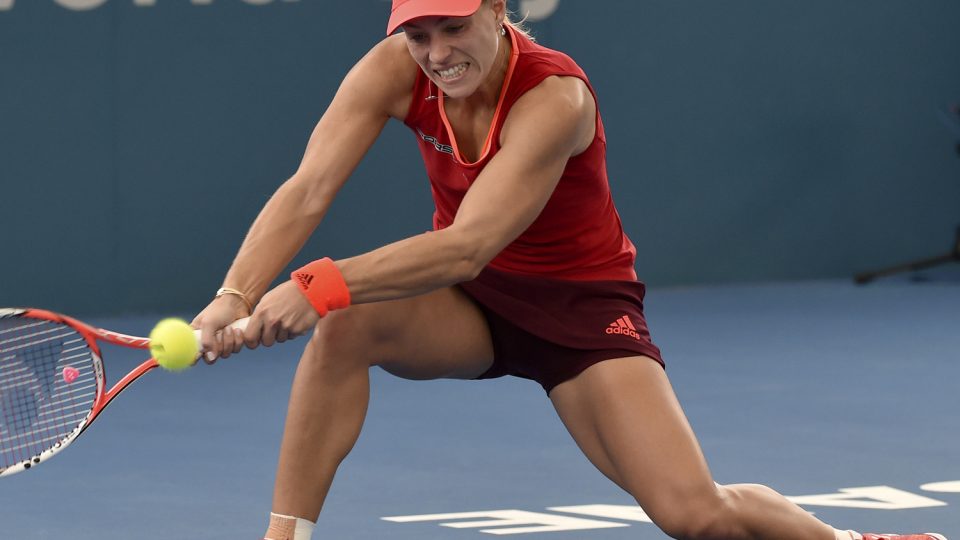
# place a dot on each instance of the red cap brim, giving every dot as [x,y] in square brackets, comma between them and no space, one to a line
[411,9]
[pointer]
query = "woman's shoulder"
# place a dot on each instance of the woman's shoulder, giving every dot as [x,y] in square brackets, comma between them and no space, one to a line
[392,49]
[390,71]
[537,56]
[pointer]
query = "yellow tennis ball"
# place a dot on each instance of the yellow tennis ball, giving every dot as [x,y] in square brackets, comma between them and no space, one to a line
[173,344]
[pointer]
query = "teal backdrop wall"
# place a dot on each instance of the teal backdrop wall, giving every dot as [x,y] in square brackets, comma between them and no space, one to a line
[748,140]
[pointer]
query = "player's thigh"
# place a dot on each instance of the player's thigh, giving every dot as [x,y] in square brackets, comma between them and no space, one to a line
[624,415]
[441,334]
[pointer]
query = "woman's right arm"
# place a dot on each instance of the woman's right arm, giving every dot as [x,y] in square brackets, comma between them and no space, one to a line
[377,88]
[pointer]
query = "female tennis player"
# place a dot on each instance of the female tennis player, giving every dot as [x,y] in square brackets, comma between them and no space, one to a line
[527,273]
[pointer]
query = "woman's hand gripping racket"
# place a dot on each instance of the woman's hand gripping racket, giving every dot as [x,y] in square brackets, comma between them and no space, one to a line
[52,384]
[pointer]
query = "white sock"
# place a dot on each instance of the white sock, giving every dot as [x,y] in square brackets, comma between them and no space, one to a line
[847,535]
[289,528]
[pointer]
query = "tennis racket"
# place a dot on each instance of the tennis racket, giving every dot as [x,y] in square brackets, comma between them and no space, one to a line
[52,383]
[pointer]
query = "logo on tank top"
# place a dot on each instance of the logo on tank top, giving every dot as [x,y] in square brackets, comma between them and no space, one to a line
[625,327]
[445,148]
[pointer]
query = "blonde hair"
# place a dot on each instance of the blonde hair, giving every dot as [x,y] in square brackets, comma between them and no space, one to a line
[519,26]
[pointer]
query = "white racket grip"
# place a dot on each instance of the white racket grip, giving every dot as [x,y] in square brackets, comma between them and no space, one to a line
[240,324]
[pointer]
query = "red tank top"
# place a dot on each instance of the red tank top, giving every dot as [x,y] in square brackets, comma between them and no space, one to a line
[578,235]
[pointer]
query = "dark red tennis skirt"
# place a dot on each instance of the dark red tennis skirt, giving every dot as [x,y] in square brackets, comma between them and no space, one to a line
[550,330]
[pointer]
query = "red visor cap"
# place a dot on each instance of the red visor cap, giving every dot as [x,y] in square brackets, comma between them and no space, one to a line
[406,10]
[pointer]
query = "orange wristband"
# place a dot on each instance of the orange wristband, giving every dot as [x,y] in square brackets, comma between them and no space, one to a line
[322,284]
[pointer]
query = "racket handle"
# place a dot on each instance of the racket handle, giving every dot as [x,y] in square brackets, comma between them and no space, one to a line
[240,324]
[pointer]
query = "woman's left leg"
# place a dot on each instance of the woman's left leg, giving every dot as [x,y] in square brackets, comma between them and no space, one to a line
[625,417]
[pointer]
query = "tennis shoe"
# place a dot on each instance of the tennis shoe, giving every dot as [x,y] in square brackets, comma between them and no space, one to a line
[924,536]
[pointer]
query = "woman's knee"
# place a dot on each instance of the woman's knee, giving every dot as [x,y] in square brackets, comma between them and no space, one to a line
[702,515]
[355,334]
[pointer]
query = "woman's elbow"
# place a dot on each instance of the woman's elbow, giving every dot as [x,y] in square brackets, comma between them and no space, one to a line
[470,259]
[309,199]
[466,267]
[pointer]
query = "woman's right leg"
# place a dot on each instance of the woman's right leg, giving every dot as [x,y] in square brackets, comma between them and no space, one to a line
[438,335]
[625,417]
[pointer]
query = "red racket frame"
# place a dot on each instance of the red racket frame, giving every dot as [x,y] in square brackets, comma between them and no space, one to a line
[91,335]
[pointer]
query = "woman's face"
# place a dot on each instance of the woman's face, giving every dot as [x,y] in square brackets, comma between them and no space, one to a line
[457,53]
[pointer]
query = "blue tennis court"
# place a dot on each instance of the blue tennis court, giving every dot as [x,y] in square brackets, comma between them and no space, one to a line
[841,396]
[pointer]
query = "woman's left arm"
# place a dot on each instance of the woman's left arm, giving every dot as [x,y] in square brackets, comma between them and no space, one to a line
[548,125]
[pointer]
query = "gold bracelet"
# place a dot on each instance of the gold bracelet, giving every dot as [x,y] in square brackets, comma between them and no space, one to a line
[228,290]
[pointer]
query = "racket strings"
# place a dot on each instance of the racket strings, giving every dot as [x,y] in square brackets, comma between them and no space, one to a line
[48,384]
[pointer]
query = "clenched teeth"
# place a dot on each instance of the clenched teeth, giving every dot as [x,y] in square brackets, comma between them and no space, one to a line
[453,72]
